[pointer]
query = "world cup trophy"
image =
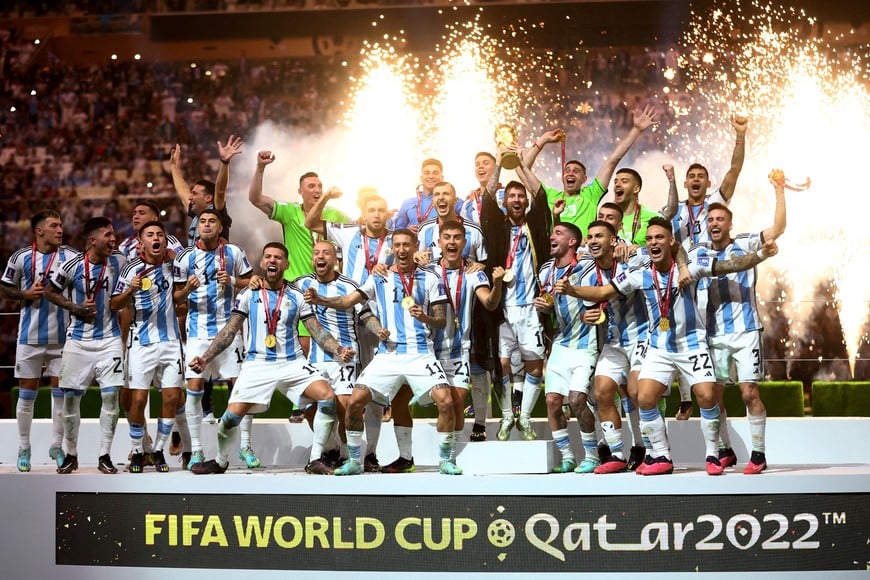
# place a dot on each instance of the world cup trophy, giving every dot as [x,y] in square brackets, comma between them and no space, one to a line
[505,135]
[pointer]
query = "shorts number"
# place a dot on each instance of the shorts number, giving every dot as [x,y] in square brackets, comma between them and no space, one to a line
[540,338]
[461,368]
[240,355]
[117,368]
[700,362]
[180,366]
[434,369]
[311,370]
[345,374]
[756,354]
[640,350]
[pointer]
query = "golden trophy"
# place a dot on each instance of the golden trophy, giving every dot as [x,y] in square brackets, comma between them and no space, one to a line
[505,135]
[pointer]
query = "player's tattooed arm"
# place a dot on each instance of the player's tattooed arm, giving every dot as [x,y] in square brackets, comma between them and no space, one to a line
[437,317]
[326,341]
[224,337]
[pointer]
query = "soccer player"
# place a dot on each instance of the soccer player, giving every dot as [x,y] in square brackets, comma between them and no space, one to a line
[622,354]
[414,211]
[292,216]
[41,327]
[411,304]
[690,221]
[146,211]
[575,348]
[206,276]
[145,288]
[626,192]
[342,326]
[270,316]
[93,348]
[444,200]
[364,250]
[205,194]
[581,201]
[453,343]
[484,165]
[516,242]
[677,341]
[734,325]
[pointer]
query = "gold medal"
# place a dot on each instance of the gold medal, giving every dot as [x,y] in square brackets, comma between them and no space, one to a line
[456,322]
[549,299]
[664,324]
[601,318]
[145,284]
[271,341]
[407,302]
[508,276]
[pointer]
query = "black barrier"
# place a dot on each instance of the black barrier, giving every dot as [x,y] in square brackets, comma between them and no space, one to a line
[784,532]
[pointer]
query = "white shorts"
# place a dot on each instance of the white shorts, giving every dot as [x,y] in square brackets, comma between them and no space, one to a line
[569,369]
[226,365]
[159,364]
[694,366]
[341,376]
[458,371]
[31,358]
[617,362]
[258,380]
[521,331]
[84,361]
[388,371]
[744,350]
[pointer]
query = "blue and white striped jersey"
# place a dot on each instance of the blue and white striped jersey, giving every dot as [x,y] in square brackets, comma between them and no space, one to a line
[407,334]
[341,324]
[154,318]
[686,328]
[96,281]
[351,239]
[470,210]
[690,221]
[427,237]
[627,315]
[573,332]
[209,306]
[130,246]
[451,342]
[40,321]
[523,289]
[293,309]
[730,299]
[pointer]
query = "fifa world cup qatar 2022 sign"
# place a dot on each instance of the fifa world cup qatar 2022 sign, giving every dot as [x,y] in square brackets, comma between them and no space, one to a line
[538,534]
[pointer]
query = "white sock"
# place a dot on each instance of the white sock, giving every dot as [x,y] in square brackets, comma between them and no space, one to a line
[613,436]
[404,441]
[56,417]
[354,445]
[324,420]
[531,390]
[136,435]
[652,425]
[24,415]
[710,430]
[164,430]
[757,425]
[72,418]
[446,443]
[457,435]
[193,410]
[108,418]
[245,427]
[227,435]
[563,444]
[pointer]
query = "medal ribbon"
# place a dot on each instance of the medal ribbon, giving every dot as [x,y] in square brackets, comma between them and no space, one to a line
[222,258]
[420,216]
[455,305]
[552,278]
[636,223]
[45,272]
[516,243]
[371,261]
[664,301]
[88,278]
[273,315]
[603,305]
[409,285]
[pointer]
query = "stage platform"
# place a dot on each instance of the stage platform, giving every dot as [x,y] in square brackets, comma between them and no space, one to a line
[809,512]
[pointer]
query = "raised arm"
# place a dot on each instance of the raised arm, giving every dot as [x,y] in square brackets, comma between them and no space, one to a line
[643,120]
[670,210]
[314,219]
[491,297]
[492,184]
[255,194]
[530,154]
[528,177]
[226,153]
[740,263]
[779,221]
[729,182]
[178,177]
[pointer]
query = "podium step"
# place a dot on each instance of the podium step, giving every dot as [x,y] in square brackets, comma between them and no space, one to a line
[506,457]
